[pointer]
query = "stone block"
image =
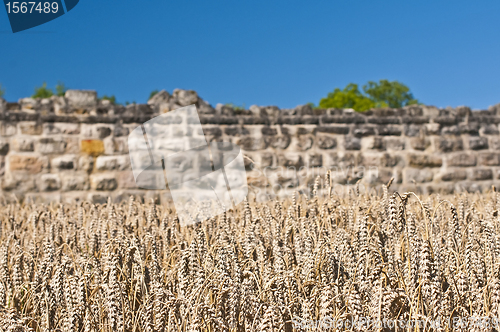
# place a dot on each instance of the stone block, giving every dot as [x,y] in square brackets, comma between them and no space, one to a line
[489,129]
[420,143]
[8,129]
[478,143]
[301,130]
[86,163]
[304,143]
[471,128]
[446,120]
[96,198]
[210,131]
[42,198]
[494,143]
[92,147]
[454,175]
[23,144]
[292,161]
[30,128]
[315,160]
[415,119]
[352,143]
[126,180]
[393,143]
[258,182]
[73,197]
[4,147]
[373,143]
[118,145]
[81,98]
[236,131]
[278,142]
[450,131]
[96,131]
[417,175]
[28,163]
[103,182]
[185,97]
[326,142]
[119,131]
[362,131]
[462,160]
[74,181]
[19,182]
[50,182]
[61,128]
[266,160]
[388,160]
[112,163]
[432,129]
[266,130]
[50,145]
[64,162]
[424,160]
[341,130]
[348,159]
[413,130]
[480,174]
[251,143]
[385,175]
[389,131]
[446,144]
[384,120]
[489,159]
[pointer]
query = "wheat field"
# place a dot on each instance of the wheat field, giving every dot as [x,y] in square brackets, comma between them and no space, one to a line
[292,265]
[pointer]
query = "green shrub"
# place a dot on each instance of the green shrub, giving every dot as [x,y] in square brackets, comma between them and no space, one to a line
[43,92]
[151,95]
[389,94]
[60,89]
[350,97]
[111,98]
[236,107]
[2,91]
[382,94]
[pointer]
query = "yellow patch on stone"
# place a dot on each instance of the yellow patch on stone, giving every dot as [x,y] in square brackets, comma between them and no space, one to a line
[93,147]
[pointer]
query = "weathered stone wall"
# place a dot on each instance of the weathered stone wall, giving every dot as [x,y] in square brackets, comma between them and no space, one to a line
[75,147]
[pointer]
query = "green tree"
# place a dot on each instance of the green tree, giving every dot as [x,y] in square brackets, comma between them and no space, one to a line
[389,94]
[151,95]
[43,92]
[60,89]
[236,107]
[2,91]
[349,97]
[111,98]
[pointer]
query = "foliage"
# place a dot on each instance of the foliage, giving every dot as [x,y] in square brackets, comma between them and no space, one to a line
[382,94]
[236,107]
[2,91]
[43,92]
[153,93]
[389,94]
[111,98]
[60,89]
[350,97]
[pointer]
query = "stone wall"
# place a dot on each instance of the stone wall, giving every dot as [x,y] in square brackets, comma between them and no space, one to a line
[75,147]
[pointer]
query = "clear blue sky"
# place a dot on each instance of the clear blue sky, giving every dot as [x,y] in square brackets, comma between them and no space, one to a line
[282,53]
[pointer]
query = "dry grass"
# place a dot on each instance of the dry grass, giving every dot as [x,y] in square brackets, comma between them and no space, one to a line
[131,267]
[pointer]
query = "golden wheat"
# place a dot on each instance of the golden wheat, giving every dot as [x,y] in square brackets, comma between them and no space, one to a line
[275,266]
